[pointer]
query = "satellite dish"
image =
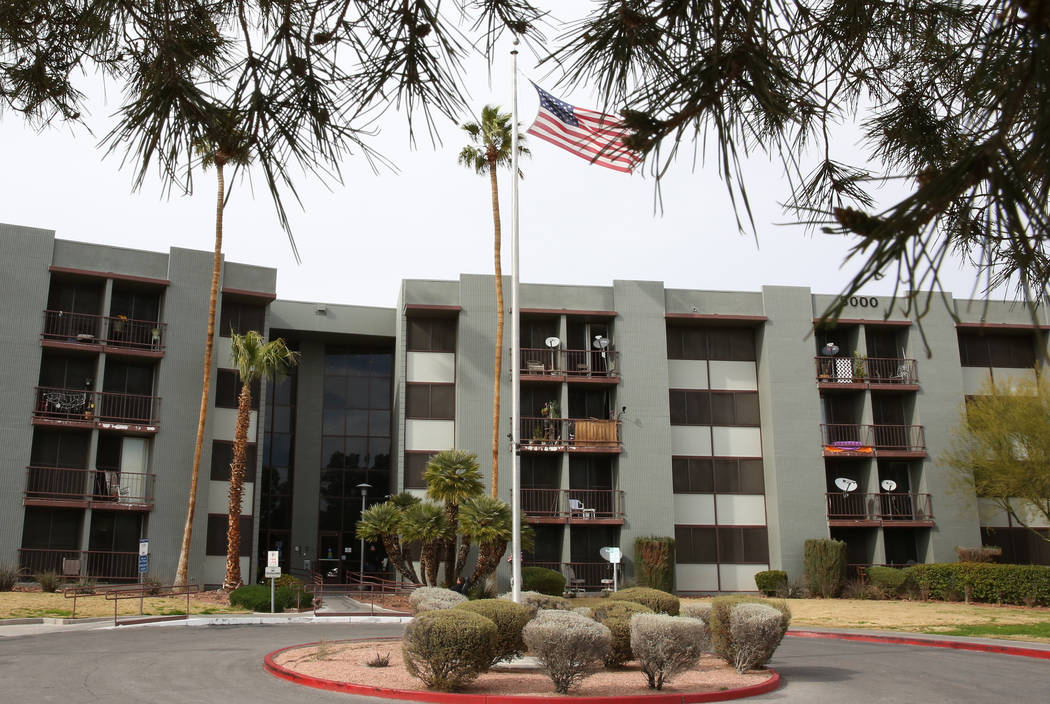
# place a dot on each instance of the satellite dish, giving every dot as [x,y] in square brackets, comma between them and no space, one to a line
[600,343]
[612,555]
[552,342]
[846,484]
[829,350]
[888,485]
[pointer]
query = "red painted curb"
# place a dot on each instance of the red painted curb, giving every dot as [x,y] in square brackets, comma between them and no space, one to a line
[906,640]
[772,683]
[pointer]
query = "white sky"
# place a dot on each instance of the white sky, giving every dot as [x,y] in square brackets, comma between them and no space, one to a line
[580,224]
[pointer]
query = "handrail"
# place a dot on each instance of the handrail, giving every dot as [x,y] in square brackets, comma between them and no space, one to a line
[850,437]
[570,432]
[70,484]
[57,403]
[557,503]
[113,330]
[573,363]
[879,506]
[871,370]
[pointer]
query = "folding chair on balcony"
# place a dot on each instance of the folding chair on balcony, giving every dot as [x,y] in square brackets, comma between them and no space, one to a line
[577,509]
[573,584]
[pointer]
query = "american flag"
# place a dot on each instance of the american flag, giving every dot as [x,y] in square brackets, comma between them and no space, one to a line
[596,137]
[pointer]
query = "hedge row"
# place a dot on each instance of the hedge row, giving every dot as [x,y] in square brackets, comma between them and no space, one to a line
[1027,585]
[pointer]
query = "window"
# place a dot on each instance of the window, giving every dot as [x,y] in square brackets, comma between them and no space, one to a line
[240,317]
[707,475]
[415,463]
[228,389]
[735,344]
[978,349]
[435,401]
[57,448]
[431,334]
[216,543]
[714,407]
[722,544]
[51,528]
[222,457]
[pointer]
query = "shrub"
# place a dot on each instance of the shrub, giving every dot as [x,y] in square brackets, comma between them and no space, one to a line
[616,616]
[286,580]
[256,597]
[666,645]
[566,645]
[48,581]
[654,558]
[151,585]
[585,611]
[825,566]
[697,609]
[8,578]
[534,602]
[721,628]
[660,602]
[510,619]
[857,589]
[434,599]
[989,583]
[889,579]
[543,580]
[448,648]
[987,553]
[756,630]
[771,582]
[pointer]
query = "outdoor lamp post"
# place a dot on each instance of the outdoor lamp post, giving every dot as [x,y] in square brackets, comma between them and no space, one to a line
[364,487]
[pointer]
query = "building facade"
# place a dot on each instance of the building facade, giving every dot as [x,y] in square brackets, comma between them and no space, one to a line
[732,421]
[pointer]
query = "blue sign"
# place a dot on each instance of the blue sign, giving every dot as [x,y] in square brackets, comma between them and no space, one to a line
[143,564]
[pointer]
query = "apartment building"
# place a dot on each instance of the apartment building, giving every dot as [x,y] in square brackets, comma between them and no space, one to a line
[733,421]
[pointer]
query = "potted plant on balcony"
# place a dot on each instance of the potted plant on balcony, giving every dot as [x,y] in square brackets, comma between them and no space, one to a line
[550,415]
[860,365]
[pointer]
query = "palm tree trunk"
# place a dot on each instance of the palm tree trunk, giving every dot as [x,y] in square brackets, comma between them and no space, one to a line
[461,554]
[498,369]
[209,341]
[429,565]
[489,555]
[396,556]
[233,528]
[452,568]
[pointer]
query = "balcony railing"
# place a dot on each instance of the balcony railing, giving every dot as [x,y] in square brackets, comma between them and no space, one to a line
[571,433]
[873,370]
[96,564]
[853,438]
[84,405]
[585,504]
[576,363]
[882,507]
[113,330]
[589,574]
[121,489]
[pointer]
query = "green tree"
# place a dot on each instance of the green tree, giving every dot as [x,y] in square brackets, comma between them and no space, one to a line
[490,148]
[427,523]
[488,523]
[452,477]
[1001,449]
[384,523]
[255,359]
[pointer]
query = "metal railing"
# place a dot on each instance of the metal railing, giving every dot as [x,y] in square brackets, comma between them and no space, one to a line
[874,370]
[580,575]
[571,362]
[853,437]
[361,588]
[539,433]
[882,506]
[62,483]
[74,564]
[573,503]
[115,330]
[72,404]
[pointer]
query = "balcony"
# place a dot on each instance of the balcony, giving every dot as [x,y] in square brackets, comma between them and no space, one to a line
[95,564]
[595,506]
[881,509]
[590,576]
[84,488]
[853,440]
[601,366]
[102,409]
[115,335]
[840,373]
[572,434]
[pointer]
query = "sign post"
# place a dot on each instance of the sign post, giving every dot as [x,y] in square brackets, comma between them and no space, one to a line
[273,570]
[143,568]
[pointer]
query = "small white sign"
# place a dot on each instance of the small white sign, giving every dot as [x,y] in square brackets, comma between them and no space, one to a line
[272,572]
[273,558]
[613,555]
[143,547]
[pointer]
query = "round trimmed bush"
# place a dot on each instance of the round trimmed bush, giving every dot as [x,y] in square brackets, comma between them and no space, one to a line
[534,602]
[433,599]
[448,648]
[721,630]
[510,619]
[256,597]
[666,646]
[543,580]
[567,645]
[616,616]
[697,609]
[771,582]
[757,630]
[658,601]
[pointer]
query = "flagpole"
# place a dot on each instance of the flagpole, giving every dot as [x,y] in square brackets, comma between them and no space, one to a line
[515,337]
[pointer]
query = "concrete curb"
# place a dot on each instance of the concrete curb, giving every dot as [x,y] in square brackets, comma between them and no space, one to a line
[771,683]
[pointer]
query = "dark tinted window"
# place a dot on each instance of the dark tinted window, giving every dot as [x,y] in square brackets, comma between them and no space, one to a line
[430,401]
[719,343]
[415,463]
[216,542]
[695,545]
[723,544]
[56,448]
[228,389]
[222,457]
[996,349]
[240,317]
[714,407]
[432,334]
[692,475]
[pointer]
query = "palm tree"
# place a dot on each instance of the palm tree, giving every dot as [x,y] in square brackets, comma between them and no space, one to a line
[254,358]
[426,522]
[453,476]
[488,522]
[491,148]
[383,523]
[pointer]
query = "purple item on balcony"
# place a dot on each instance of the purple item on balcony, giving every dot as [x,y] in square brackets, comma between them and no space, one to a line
[847,444]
